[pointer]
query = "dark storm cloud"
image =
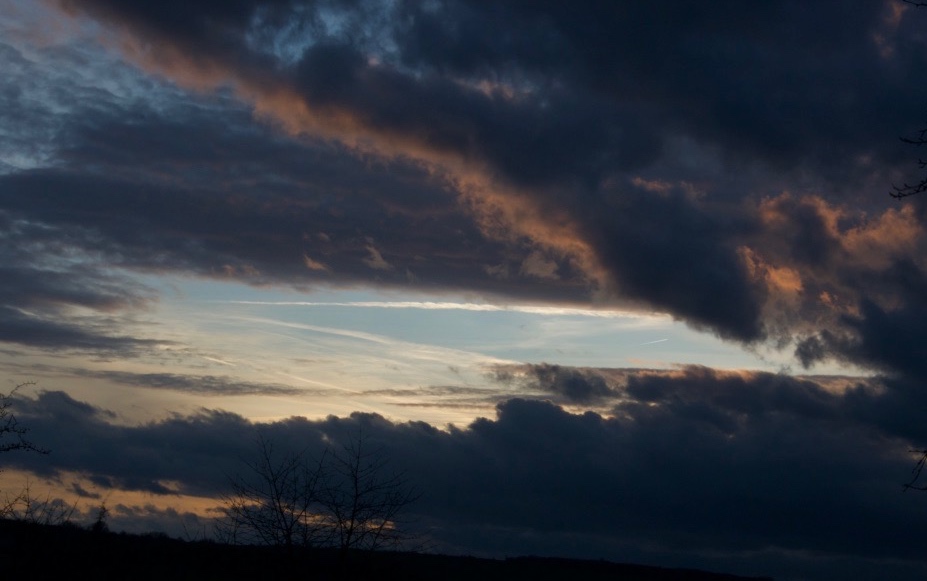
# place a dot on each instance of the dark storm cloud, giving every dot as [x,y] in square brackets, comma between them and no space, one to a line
[670,251]
[778,79]
[532,141]
[772,77]
[740,472]
[889,338]
[693,389]
[568,105]
[724,400]
[196,450]
[574,384]
[862,283]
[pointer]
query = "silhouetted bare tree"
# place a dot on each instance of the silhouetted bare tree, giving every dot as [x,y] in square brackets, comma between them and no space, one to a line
[277,501]
[364,498]
[348,499]
[99,525]
[27,507]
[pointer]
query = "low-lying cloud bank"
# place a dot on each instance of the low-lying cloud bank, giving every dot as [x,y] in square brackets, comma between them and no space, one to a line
[745,472]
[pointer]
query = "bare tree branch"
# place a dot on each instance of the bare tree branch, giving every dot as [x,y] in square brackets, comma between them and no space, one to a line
[364,498]
[907,189]
[12,433]
[916,472]
[346,499]
[26,507]
[276,502]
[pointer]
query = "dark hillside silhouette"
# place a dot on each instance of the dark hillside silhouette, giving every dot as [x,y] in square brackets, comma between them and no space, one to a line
[33,551]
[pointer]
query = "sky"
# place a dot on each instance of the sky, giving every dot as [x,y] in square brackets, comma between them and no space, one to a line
[616,280]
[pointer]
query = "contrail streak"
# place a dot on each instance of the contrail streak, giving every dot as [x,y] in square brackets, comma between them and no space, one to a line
[652,342]
[431,305]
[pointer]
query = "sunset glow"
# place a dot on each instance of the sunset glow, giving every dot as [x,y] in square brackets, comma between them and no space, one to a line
[615,280]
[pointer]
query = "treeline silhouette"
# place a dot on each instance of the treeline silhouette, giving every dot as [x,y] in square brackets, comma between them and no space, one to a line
[37,551]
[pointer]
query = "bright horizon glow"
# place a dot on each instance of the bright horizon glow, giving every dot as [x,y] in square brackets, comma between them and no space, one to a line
[365,350]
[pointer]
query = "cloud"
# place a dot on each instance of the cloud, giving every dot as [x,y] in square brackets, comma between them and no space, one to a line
[194,450]
[529,152]
[537,265]
[573,384]
[375,259]
[37,331]
[669,250]
[196,384]
[726,470]
[49,285]
[313,264]
[886,339]
[57,295]
[718,162]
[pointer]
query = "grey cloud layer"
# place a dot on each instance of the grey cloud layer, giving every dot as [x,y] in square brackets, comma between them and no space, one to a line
[751,473]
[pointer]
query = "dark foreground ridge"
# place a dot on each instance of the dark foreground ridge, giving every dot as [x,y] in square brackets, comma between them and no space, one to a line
[33,551]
